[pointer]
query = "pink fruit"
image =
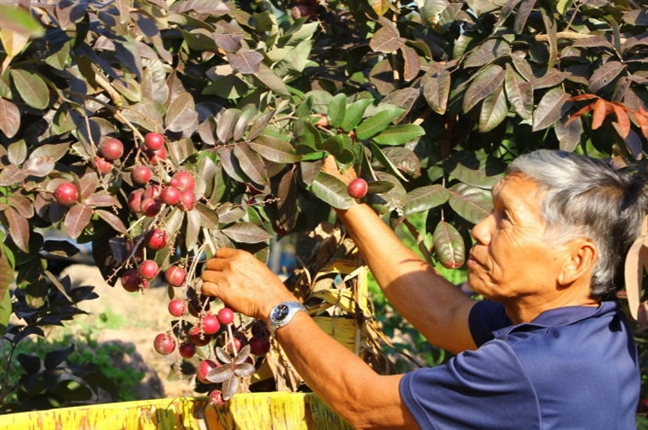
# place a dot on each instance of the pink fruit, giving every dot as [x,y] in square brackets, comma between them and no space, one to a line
[216,398]
[156,239]
[66,194]
[177,307]
[183,180]
[259,345]
[203,369]
[225,316]
[132,281]
[151,207]
[164,343]
[135,201]
[187,350]
[209,324]
[187,200]
[175,276]
[154,141]
[357,188]
[239,341]
[141,175]
[148,269]
[198,338]
[157,156]
[170,195]
[102,165]
[111,149]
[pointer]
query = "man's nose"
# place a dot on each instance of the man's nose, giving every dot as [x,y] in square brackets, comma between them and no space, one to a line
[481,232]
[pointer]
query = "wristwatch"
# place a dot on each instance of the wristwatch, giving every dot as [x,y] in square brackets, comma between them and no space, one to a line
[283,313]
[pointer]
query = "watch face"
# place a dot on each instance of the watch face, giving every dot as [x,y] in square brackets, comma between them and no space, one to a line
[281,312]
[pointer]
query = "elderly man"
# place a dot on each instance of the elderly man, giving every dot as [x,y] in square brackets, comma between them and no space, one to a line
[550,348]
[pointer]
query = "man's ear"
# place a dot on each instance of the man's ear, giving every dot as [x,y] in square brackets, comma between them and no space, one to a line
[581,258]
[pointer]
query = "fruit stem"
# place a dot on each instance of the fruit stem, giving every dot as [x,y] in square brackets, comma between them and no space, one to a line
[231,338]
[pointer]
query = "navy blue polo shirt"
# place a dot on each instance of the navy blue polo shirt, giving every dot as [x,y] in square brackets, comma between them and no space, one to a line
[572,367]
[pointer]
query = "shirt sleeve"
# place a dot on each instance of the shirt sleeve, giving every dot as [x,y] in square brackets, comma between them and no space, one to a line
[486,317]
[486,388]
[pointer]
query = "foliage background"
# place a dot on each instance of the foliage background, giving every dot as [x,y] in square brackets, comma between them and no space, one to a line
[428,100]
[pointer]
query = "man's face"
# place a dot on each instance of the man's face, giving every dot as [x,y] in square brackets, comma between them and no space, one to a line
[510,260]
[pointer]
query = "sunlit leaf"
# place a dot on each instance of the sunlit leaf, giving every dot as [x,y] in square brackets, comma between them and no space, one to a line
[377,123]
[247,62]
[9,118]
[354,113]
[569,133]
[487,52]
[493,110]
[425,198]
[18,228]
[412,63]
[449,246]
[486,82]
[436,90]
[245,232]
[31,87]
[77,219]
[251,163]
[472,204]
[605,75]
[182,113]
[550,109]
[386,39]
[399,134]
[274,149]
[337,110]
[331,190]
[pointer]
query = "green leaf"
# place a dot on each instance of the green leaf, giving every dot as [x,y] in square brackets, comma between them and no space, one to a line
[486,82]
[276,150]
[385,161]
[550,109]
[354,113]
[399,134]
[31,87]
[331,190]
[6,280]
[425,198]
[476,168]
[340,147]
[493,110]
[337,110]
[20,21]
[449,246]
[472,204]
[377,123]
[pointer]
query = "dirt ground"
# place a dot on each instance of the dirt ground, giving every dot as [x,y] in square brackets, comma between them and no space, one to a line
[140,317]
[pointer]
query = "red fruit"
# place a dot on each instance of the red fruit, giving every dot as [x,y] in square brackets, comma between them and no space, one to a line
[156,239]
[175,276]
[152,192]
[141,175]
[164,343]
[203,369]
[209,324]
[259,346]
[154,141]
[301,11]
[183,180]
[216,398]
[102,165]
[151,207]
[170,195]
[225,316]
[187,350]
[157,156]
[132,281]
[111,149]
[135,201]
[260,329]
[148,269]
[357,188]
[187,200]
[198,338]
[177,307]
[66,194]
[239,342]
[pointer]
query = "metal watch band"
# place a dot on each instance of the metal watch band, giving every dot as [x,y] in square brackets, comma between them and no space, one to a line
[283,313]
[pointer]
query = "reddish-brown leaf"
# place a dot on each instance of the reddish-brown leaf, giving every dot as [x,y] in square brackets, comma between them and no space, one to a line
[18,228]
[580,112]
[77,218]
[599,114]
[449,245]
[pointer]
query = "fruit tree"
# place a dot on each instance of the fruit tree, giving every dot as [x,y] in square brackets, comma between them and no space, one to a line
[160,130]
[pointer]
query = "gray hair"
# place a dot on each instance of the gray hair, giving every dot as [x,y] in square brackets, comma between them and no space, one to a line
[585,197]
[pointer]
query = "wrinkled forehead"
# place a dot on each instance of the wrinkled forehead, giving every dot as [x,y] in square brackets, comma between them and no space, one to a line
[518,187]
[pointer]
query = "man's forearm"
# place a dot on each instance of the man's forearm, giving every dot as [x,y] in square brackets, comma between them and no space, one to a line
[437,308]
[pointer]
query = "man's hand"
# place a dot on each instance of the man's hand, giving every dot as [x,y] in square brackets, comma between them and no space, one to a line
[243,283]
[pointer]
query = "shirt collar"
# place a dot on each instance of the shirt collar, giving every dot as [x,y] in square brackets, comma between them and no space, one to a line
[562,316]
